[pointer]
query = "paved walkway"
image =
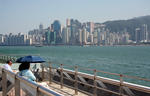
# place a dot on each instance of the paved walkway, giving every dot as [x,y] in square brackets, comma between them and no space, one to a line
[65,91]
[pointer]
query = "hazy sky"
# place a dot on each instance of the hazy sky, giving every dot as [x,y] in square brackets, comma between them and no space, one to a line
[24,15]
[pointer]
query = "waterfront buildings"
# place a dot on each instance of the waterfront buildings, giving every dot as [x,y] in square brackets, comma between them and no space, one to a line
[37,35]
[14,40]
[142,34]
[76,33]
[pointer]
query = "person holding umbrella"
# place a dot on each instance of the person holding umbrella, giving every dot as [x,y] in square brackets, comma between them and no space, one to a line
[25,66]
[24,70]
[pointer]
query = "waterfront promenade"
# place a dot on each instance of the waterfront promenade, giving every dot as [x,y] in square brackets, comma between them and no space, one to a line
[52,89]
[73,82]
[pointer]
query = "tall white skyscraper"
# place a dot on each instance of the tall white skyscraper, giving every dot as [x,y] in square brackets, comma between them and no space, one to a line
[80,36]
[145,32]
[84,36]
[91,27]
[65,35]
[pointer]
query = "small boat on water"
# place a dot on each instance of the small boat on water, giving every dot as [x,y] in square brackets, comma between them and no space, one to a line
[38,45]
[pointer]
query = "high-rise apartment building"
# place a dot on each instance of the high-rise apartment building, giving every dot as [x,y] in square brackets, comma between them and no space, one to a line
[1,38]
[144,32]
[65,35]
[98,36]
[95,38]
[80,37]
[138,35]
[13,40]
[64,31]
[29,41]
[84,36]
[48,37]
[90,27]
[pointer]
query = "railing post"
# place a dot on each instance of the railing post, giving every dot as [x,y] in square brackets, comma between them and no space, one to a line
[17,86]
[7,58]
[4,82]
[95,83]
[38,93]
[61,75]
[121,84]
[4,58]
[76,80]
[50,73]
[42,71]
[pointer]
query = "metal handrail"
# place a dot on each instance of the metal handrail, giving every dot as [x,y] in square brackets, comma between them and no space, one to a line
[115,74]
[119,83]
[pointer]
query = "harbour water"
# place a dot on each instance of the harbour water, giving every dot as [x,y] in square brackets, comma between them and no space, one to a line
[128,60]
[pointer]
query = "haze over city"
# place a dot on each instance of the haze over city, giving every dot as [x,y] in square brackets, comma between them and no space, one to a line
[22,16]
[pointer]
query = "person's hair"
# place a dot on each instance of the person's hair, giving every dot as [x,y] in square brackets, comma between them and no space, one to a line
[24,66]
[8,61]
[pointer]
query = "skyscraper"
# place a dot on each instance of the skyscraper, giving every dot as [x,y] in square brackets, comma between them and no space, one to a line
[138,35]
[68,22]
[41,30]
[80,37]
[75,25]
[95,37]
[73,31]
[65,35]
[90,27]
[57,30]
[91,38]
[40,27]
[84,36]
[48,36]
[1,39]
[144,32]
[98,36]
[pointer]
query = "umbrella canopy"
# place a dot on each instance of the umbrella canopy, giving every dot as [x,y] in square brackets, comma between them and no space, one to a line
[30,59]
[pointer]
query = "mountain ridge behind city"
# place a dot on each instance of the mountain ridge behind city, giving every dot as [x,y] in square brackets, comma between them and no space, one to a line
[129,25]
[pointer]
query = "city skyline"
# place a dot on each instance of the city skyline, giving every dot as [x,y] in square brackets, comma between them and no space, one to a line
[22,16]
[77,33]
